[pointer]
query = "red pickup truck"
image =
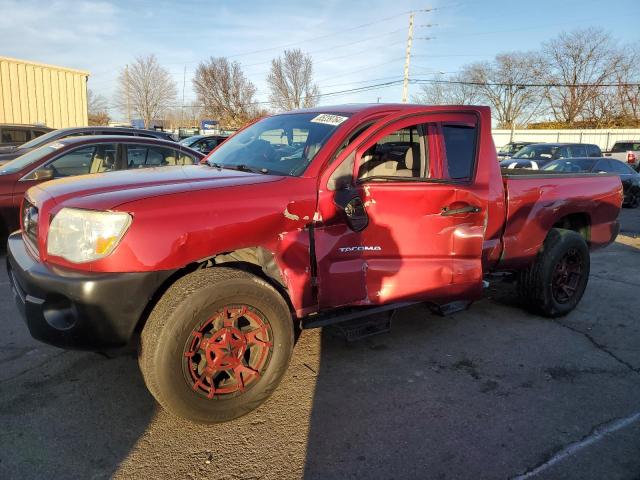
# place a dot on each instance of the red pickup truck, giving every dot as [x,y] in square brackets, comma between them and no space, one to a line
[300,219]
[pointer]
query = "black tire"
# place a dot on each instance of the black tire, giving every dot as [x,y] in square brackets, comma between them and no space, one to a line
[169,332]
[540,287]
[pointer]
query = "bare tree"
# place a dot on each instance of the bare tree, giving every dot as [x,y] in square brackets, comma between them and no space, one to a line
[146,89]
[628,96]
[575,59]
[97,109]
[224,92]
[503,83]
[291,81]
[451,90]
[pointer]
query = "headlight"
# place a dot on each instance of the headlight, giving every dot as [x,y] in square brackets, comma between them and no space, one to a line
[84,235]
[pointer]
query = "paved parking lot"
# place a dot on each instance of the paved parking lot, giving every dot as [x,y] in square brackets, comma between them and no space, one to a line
[488,393]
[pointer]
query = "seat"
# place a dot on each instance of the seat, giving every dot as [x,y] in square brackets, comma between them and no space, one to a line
[411,167]
[377,167]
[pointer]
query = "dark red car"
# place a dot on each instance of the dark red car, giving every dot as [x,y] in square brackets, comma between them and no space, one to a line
[301,219]
[80,156]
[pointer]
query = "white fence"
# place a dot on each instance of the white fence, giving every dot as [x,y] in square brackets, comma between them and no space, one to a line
[604,138]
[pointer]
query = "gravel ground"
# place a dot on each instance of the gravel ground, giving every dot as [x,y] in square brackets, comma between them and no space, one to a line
[491,392]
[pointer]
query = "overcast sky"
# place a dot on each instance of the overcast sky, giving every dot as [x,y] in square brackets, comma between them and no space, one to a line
[353,43]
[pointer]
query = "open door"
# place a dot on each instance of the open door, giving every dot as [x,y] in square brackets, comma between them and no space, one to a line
[401,216]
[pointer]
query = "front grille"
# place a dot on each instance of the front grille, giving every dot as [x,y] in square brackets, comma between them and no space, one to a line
[30,222]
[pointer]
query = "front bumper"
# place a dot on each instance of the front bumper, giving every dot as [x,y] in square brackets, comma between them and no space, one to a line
[78,310]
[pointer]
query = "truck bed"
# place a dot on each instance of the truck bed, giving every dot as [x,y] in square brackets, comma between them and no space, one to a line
[538,201]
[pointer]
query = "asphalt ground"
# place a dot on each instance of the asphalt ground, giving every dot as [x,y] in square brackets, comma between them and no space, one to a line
[492,392]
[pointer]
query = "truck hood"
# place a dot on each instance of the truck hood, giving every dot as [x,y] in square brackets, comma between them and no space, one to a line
[115,188]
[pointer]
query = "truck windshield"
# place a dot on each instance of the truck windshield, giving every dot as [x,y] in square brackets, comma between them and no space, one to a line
[279,145]
[28,158]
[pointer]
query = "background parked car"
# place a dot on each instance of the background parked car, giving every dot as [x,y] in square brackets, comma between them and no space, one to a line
[630,178]
[12,135]
[537,155]
[508,150]
[203,143]
[79,156]
[79,131]
[627,151]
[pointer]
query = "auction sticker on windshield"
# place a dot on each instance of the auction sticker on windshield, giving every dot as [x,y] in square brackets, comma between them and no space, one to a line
[329,119]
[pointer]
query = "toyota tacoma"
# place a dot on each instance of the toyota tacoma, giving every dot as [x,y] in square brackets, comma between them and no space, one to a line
[300,219]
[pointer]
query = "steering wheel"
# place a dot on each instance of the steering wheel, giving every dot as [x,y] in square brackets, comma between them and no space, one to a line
[265,150]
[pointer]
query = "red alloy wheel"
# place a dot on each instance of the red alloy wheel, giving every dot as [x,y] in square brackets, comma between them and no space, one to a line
[567,276]
[228,353]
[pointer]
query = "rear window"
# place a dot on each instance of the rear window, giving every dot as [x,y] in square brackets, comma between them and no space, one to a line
[460,146]
[625,146]
[570,166]
[14,135]
[537,151]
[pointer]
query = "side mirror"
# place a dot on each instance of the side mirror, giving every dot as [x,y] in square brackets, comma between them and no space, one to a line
[354,210]
[43,174]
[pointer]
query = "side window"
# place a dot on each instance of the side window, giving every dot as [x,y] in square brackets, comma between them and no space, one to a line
[577,151]
[620,168]
[185,159]
[602,166]
[562,152]
[460,150]
[143,156]
[208,145]
[395,155]
[14,135]
[593,151]
[350,140]
[136,156]
[160,157]
[104,158]
[76,162]
[37,133]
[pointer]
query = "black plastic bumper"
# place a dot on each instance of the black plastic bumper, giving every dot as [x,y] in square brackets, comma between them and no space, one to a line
[77,310]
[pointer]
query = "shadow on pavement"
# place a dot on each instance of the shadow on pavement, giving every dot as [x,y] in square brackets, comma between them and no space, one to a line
[487,393]
[78,415]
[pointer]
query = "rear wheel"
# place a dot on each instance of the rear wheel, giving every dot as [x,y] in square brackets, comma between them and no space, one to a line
[216,345]
[554,284]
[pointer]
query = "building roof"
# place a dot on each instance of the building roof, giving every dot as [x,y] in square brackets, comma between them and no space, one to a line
[43,65]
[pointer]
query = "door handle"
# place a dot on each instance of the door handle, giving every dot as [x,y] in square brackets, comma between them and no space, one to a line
[446,211]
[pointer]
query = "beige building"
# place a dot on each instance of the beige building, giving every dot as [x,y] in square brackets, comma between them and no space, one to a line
[34,93]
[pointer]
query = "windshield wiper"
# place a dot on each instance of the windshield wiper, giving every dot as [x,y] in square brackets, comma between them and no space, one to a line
[241,167]
[246,168]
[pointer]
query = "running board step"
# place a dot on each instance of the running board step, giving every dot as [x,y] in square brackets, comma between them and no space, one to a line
[447,309]
[348,314]
[364,327]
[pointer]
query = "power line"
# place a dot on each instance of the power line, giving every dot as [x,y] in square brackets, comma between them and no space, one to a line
[364,88]
[524,85]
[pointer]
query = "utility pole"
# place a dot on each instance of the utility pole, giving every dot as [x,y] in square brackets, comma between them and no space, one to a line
[405,84]
[126,79]
[184,82]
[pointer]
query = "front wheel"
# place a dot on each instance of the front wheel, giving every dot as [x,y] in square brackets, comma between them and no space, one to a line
[555,282]
[216,345]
